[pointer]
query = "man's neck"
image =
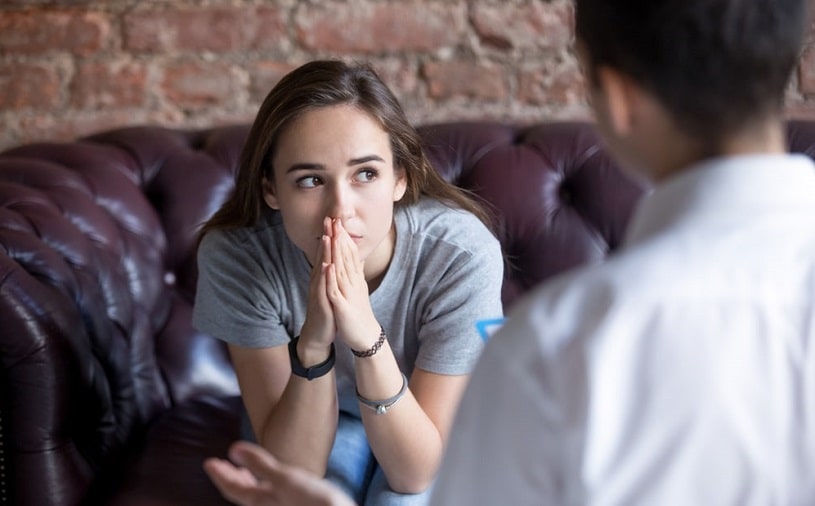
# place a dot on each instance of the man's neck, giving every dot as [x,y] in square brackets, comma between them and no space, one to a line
[766,138]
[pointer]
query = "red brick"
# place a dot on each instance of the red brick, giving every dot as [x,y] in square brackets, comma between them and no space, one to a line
[400,76]
[552,84]
[29,86]
[196,85]
[377,27]
[35,32]
[465,79]
[67,127]
[263,76]
[217,29]
[8,135]
[270,28]
[800,110]
[548,25]
[116,84]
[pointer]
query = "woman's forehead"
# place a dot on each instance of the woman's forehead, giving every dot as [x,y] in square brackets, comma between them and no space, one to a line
[336,134]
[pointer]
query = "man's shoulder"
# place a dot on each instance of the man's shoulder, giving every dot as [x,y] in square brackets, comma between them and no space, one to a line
[571,306]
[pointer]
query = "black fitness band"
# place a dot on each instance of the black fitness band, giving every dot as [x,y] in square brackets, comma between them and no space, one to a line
[312,372]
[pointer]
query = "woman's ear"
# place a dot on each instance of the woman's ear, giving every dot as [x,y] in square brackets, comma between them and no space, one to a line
[269,195]
[400,187]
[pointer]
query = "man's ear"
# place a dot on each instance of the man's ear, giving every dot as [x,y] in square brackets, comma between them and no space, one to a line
[621,96]
[269,195]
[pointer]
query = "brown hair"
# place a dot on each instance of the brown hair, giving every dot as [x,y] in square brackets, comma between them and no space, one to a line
[321,84]
[717,66]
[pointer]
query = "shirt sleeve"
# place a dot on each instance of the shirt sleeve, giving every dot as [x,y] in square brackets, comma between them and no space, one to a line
[467,291]
[235,298]
[517,436]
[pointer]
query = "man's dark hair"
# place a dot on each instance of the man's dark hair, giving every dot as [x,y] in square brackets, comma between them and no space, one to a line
[716,65]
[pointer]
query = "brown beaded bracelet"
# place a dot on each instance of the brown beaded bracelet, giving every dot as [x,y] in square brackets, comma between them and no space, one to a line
[377,345]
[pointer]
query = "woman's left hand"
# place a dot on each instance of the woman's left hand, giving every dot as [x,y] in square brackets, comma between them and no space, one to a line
[348,293]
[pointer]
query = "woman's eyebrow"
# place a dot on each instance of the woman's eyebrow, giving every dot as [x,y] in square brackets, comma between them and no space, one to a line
[365,159]
[304,166]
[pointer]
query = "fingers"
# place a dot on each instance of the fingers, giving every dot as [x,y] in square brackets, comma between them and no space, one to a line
[348,250]
[328,233]
[264,480]
[320,320]
[344,255]
[238,485]
[257,460]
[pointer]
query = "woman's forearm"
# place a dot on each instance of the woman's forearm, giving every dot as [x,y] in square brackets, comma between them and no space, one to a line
[300,428]
[407,444]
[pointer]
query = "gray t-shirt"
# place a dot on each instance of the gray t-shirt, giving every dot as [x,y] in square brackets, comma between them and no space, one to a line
[445,275]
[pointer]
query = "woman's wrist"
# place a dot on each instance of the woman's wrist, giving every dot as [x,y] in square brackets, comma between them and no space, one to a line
[375,347]
[312,367]
[311,354]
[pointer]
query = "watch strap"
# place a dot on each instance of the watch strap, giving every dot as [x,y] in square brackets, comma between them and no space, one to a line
[313,372]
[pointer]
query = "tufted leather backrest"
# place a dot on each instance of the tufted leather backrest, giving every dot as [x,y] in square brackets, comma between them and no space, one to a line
[97,277]
[558,199]
[97,270]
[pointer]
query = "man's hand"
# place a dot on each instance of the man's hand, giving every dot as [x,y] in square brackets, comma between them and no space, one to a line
[259,479]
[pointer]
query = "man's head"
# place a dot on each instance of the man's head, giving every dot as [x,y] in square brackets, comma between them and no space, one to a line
[713,65]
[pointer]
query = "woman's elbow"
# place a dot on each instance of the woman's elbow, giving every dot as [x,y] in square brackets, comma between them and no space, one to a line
[411,485]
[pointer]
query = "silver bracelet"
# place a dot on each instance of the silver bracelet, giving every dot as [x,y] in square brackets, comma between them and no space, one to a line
[382,407]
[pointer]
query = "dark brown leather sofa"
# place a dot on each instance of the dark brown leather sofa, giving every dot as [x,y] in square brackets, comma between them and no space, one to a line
[107,393]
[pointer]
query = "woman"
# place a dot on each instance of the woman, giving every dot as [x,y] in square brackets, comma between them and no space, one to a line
[347,278]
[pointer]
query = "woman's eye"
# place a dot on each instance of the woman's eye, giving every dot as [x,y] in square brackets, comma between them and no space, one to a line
[308,182]
[366,175]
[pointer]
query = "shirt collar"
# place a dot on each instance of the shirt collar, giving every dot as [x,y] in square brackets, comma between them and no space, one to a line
[728,188]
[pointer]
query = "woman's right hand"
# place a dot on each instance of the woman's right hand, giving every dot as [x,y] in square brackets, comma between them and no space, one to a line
[319,328]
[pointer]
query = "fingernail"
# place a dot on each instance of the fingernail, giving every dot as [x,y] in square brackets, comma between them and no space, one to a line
[236,457]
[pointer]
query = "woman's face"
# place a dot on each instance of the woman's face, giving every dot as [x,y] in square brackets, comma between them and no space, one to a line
[337,162]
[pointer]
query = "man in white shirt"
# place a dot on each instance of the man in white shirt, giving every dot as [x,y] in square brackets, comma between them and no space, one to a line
[682,370]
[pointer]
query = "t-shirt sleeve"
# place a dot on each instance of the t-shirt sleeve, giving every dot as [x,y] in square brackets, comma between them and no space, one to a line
[467,293]
[235,298]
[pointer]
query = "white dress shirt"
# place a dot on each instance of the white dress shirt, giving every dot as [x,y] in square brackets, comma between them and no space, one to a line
[681,371]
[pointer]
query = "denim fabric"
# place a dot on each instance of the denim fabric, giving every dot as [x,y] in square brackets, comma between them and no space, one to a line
[352,467]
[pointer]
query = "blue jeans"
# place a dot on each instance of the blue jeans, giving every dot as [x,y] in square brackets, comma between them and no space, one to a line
[352,466]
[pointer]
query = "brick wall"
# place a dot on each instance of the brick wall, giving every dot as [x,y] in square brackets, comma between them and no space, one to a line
[71,67]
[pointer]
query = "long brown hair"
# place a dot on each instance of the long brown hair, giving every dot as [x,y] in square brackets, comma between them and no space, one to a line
[326,83]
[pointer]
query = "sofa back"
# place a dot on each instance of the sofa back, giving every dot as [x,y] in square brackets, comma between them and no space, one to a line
[97,270]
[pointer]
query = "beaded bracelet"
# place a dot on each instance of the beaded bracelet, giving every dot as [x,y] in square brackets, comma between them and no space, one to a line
[377,345]
[382,407]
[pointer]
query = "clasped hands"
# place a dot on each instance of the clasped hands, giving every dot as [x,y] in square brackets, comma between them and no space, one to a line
[338,298]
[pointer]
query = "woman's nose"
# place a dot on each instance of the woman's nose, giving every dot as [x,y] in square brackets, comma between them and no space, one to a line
[340,203]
